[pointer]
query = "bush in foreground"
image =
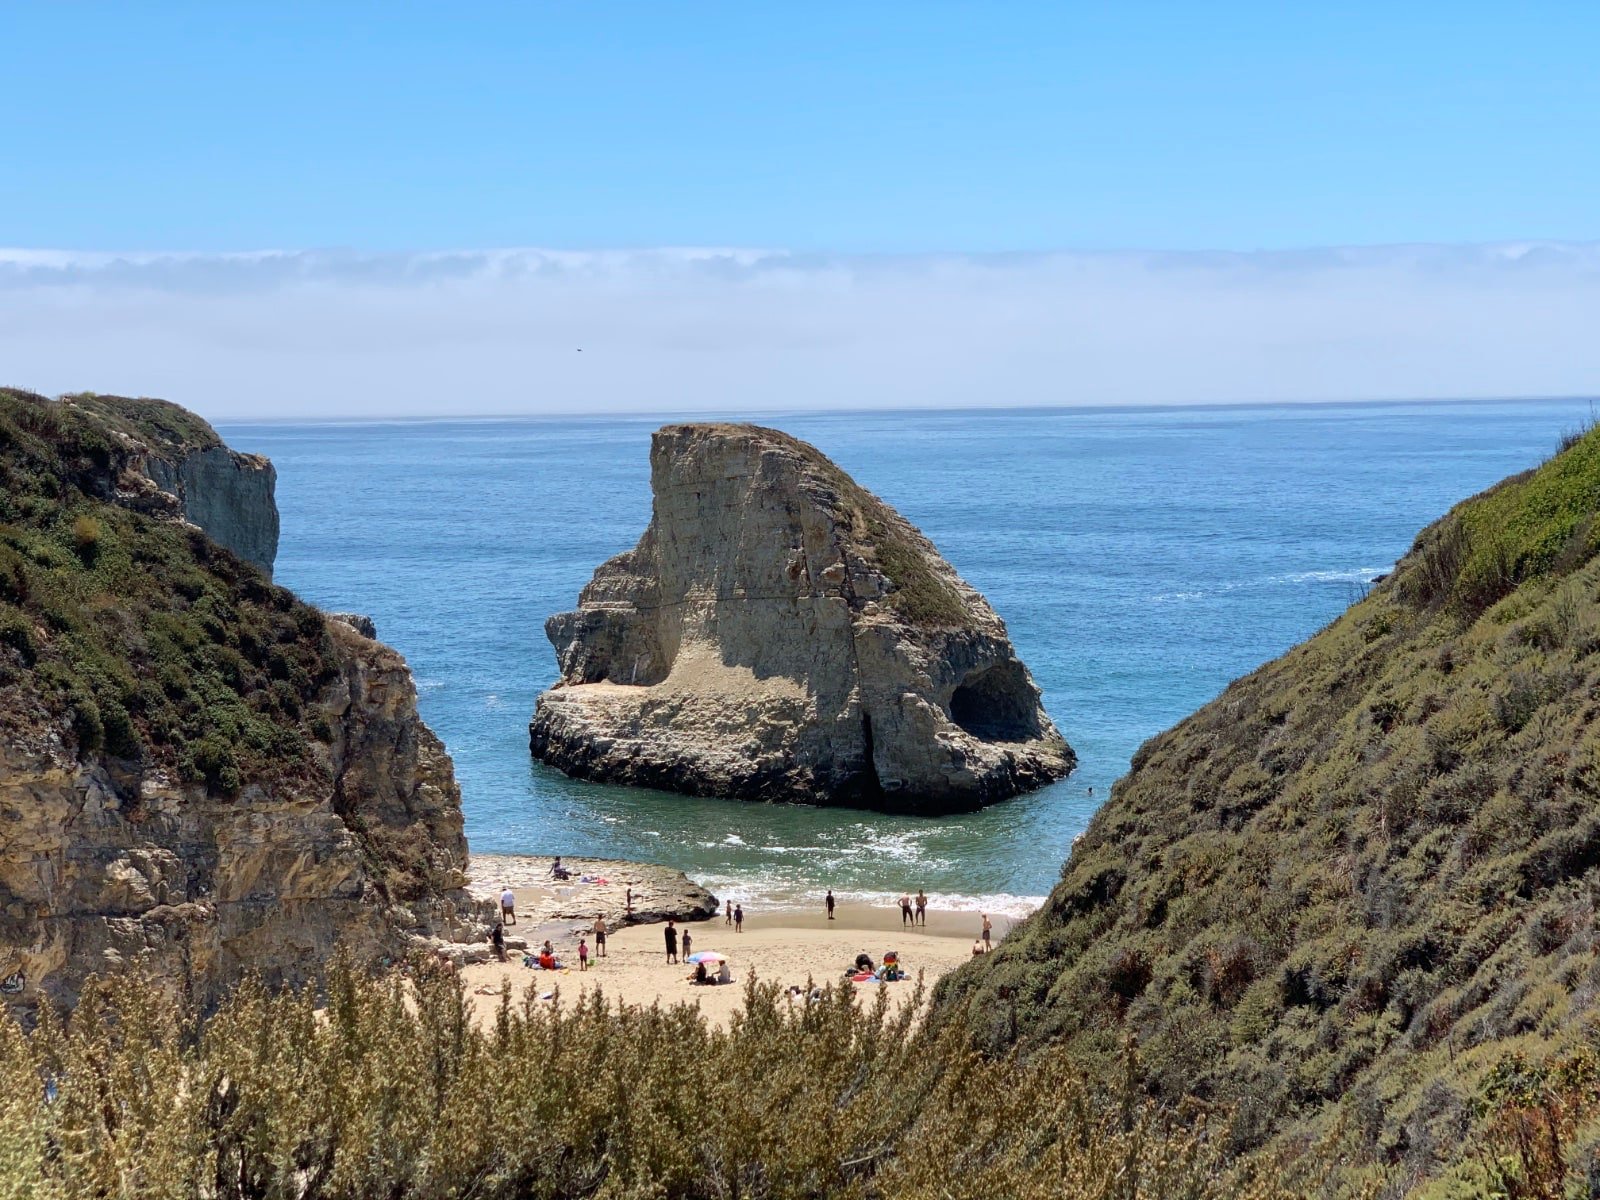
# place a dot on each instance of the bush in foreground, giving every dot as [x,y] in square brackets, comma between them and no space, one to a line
[386,1086]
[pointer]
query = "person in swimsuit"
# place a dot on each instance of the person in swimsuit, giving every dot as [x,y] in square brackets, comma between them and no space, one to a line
[829,903]
[905,911]
[599,931]
[729,911]
[688,943]
[738,918]
[988,930]
[922,907]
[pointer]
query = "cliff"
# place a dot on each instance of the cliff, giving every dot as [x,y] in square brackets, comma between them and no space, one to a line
[199,774]
[225,493]
[1352,898]
[779,633]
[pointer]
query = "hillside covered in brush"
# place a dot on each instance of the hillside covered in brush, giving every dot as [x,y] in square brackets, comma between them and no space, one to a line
[1353,897]
[199,774]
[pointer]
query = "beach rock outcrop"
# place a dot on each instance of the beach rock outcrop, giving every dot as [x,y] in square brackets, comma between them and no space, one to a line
[780,633]
[200,776]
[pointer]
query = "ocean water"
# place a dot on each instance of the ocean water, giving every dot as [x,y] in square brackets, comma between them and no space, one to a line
[1141,559]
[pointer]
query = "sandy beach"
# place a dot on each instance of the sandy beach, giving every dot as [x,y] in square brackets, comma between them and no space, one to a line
[782,945]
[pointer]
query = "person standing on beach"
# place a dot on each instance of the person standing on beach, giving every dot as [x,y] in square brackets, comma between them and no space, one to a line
[583,955]
[905,911]
[629,905]
[829,903]
[922,907]
[672,942]
[508,906]
[688,942]
[599,935]
[730,913]
[738,918]
[988,931]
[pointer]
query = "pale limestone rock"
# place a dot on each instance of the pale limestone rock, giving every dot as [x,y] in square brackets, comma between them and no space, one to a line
[781,634]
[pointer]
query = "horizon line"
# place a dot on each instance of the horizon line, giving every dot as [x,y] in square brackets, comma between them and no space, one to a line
[670,416]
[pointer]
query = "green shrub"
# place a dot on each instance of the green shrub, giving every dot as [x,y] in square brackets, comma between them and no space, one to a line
[386,1086]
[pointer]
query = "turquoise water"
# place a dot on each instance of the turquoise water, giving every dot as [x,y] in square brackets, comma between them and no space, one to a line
[1141,558]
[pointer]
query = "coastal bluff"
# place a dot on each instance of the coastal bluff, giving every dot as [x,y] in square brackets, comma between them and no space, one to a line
[781,634]
[201,777]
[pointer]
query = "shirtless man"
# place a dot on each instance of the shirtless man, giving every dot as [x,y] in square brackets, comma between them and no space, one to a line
[599,935]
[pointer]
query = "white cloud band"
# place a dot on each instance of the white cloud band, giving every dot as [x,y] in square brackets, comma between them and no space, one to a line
[482,332]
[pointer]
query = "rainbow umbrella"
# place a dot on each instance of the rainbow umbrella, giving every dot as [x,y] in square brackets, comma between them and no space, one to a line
[706,956]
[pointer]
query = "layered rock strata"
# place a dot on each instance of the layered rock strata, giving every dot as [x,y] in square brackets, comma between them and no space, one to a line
[779,633]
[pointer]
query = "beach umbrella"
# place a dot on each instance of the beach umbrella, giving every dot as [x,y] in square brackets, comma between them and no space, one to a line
[706,956]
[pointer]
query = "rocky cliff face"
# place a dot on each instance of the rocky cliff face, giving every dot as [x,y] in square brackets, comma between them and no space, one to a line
[199,775]
[779,633]
[225,493]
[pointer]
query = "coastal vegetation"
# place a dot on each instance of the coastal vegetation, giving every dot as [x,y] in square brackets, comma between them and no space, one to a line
[385,1087]
[1352,900]
[160,648]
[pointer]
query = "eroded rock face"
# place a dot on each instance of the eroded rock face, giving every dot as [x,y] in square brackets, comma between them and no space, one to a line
[200,776]
[229,495]
[100,870]
[779,633]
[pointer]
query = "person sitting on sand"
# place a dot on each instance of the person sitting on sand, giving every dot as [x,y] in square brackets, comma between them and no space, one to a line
[498,940]
[508,906]
[723,974]
[977,946]
[700,975]
[557,871]
[863,961]
[547,961]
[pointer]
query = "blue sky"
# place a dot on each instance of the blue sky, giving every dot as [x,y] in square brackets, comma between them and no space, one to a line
[398,209]
[859,128]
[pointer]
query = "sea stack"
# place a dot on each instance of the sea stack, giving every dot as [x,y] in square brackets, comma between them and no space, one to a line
[779,633]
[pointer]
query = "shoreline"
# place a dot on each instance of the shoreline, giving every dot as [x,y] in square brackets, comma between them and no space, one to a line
[662,893]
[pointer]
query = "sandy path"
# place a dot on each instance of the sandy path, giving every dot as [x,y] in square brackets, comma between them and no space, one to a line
[782,945]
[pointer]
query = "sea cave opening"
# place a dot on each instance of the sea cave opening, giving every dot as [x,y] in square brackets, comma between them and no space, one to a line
[997,704]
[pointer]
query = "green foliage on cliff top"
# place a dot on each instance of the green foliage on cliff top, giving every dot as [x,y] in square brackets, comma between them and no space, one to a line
[158,423]
[393,1090]
[140,638]
[1341,894]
